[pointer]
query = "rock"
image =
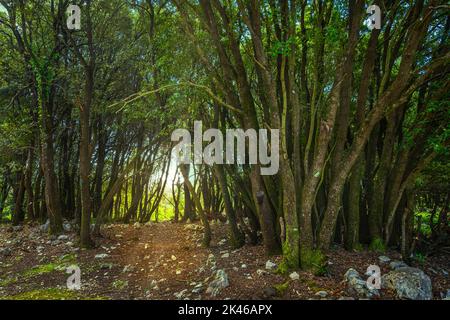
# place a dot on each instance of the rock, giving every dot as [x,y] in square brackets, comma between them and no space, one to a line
[17,228]
[408,283]
[45,227]
[67,227]
[197,290]
[270,292]
[193,227]
[220,281]
[226,255]
[128,268]
[384,259]
[222,242]
[261,272]
[294,276]
[178,272]
[153,285]
[270,265]
[101,256]
[63,237]
[105,266]
[244,266]
[5,252]
[322,294]
[346,298]
[136,225]
[180,295]
[173,258]
[358,286]
[211,260]
[397,264]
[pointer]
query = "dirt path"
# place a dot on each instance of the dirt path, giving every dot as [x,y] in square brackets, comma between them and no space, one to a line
[166,261]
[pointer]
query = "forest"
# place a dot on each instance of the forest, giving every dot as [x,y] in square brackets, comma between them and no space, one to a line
[345,194]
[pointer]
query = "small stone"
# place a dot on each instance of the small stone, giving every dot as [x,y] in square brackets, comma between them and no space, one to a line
[220,281]
[397,264]
[294,276]
[270,265]
[101,256]
[5,252]
[322,294]
[180,295]
[346,298]
[128,268]
[63,237]
[45,227]
[261,272]
[384,259]
[173,258]
[178,272]
[270,292]
[197,290]
[226,255]
[105,266]
[244,266]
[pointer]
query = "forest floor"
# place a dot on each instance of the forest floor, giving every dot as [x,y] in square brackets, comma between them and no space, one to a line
[166,261]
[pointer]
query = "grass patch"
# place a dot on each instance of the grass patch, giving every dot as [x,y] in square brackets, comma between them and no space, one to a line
[315,261]
[41,269]
[50,294]
[377,245]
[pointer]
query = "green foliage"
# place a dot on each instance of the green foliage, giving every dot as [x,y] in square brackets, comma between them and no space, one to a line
[281,288]
[314,260]
[420,258]
[377,245]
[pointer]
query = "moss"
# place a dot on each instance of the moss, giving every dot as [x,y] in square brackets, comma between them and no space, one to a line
[7,282]
[377,245]
[290,259]
[282,268]
[60,265]
[315,261]
[358,247]
[120,284]
[68,258]
[41,269]
[281,288]
[50,294]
